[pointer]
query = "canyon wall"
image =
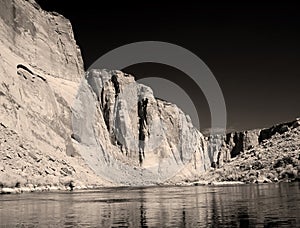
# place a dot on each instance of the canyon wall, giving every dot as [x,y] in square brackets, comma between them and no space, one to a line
[87,127]
[235,143]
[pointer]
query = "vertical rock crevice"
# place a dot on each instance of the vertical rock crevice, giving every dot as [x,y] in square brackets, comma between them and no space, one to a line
[106,113]
[238,140]
[142,114]
[115,82]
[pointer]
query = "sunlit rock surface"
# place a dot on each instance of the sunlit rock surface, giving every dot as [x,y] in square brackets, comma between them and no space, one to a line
[104,126]
[127,134]
[61,127]
[40,71]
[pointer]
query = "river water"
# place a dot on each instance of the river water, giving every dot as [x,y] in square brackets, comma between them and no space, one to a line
[265,205]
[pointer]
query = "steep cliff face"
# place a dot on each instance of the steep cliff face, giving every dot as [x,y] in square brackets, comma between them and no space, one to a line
[40,70]
[118,123]
[43,41]
[60,126]
[86,129]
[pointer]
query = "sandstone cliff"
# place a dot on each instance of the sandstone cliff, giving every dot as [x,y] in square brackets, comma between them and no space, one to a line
[62,127]
[41,40]
[129,136]
[40,71]
[58,124]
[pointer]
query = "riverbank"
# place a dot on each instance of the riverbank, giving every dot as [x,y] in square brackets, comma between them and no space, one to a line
[70,188]
[7,190]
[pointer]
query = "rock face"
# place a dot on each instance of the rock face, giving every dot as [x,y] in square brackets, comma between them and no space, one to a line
[276,158]
[259,156]
[59,126]
[40,71]
[144,140]
[44,41]
[233,144]
[105,122]
[24,164]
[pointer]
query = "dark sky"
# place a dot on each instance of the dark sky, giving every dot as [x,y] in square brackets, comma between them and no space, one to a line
[253,51]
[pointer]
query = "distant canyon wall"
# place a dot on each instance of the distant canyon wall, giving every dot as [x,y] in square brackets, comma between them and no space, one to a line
[232,144]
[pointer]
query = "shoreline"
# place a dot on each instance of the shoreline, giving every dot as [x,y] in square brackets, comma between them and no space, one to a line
[20,190]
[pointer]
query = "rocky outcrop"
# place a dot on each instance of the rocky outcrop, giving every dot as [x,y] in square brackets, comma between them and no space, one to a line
[275,159]
[40,71]
[235,143]
[143,140]
[258,156]
[24,164]
[279,128]
[42,40]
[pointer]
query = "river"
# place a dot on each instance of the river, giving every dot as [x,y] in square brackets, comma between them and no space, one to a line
[265,205]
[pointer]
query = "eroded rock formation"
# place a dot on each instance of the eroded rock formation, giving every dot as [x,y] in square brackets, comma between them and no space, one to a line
[118,127]
[235,143]
[272,156]
[59,126]
[42,39]
[121,125]
[40,71]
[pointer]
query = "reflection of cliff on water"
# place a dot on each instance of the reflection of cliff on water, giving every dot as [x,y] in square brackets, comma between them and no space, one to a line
[231,206]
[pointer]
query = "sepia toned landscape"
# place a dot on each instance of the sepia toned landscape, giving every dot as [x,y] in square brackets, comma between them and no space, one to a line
[67,129]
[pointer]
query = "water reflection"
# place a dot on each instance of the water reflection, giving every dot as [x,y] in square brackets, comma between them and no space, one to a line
[233,206]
